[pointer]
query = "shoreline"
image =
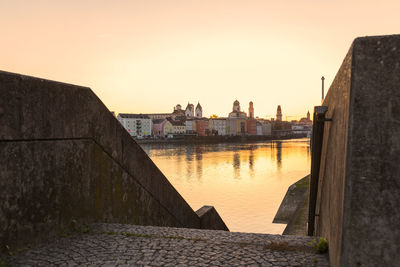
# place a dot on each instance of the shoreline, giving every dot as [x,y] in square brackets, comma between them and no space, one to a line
[217,139]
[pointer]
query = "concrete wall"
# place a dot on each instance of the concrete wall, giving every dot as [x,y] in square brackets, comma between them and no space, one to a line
[359,187]
[64,156]
[210,219]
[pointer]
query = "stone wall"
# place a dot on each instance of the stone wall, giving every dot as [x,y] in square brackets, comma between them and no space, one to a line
[359,182]
[65,157]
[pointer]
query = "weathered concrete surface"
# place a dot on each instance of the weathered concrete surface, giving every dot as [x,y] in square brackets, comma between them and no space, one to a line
[294,197]
[210,219]
[299,222]
[358,201]
[64,156]
[130,245]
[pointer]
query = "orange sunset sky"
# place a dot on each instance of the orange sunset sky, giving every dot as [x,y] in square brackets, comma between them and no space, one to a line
[147,56]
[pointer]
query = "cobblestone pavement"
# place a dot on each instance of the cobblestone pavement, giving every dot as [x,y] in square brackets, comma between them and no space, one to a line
[132,245]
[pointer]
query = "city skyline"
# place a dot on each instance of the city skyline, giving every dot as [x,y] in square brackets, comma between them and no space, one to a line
[141,56]
[214,115]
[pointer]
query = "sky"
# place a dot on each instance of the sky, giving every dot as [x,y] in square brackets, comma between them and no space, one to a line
[148,56]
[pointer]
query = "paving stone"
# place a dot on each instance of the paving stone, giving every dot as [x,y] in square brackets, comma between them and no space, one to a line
[164,246]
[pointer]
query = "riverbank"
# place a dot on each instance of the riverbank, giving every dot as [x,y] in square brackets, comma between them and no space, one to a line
[190,139]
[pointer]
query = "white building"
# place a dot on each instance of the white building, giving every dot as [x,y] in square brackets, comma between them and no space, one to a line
[219,125]
[190,126]
[189,111]
[301,129]
[136,124]
[259,128]
[157,116]
[199,111]
[266,127]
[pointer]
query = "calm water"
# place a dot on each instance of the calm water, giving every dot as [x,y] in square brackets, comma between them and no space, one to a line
[244,182]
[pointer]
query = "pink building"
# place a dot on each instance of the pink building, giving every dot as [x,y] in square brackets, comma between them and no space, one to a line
[158,127]
[251,127]
[201,127]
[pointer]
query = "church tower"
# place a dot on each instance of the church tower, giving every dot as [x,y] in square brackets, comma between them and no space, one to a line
[251,110]
[199,111]
[236,106]
[279,113]
[308,115]
[189,111]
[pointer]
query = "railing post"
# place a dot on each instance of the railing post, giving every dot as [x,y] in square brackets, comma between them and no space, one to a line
[316,148]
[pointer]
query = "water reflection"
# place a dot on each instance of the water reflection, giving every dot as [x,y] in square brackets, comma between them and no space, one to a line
[245,182]
[251,160]
[278,154]
[236,165]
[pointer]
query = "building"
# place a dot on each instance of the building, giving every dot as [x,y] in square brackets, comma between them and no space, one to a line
[189,111]
[266,127]
[218,126]
[162,128]
[138,125]
[306,120]
[279,113]
[199,111]
[237,126]
[251,110]
[300,128]
[236,113]
[251,126]
[155,116]
[158,127]
[259,128]
[178,127]
[178,112]
[236,122]
[190,126]
[202,127]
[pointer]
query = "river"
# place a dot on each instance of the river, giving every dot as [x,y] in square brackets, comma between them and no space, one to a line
[245,182]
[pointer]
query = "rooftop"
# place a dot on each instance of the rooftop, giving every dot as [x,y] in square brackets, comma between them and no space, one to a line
[133,116]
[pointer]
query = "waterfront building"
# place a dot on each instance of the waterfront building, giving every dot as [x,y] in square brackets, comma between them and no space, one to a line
[138,125]
[237,126]
[189,111]
[164,127]
[190,126]
[279,113]
[251,110]
[251,126]
[199,111]
[168,128]
[202,127]
[218,125]
[178,127]
[266,127]
[259,128]
[300,128]
[158,127]
[236,121]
